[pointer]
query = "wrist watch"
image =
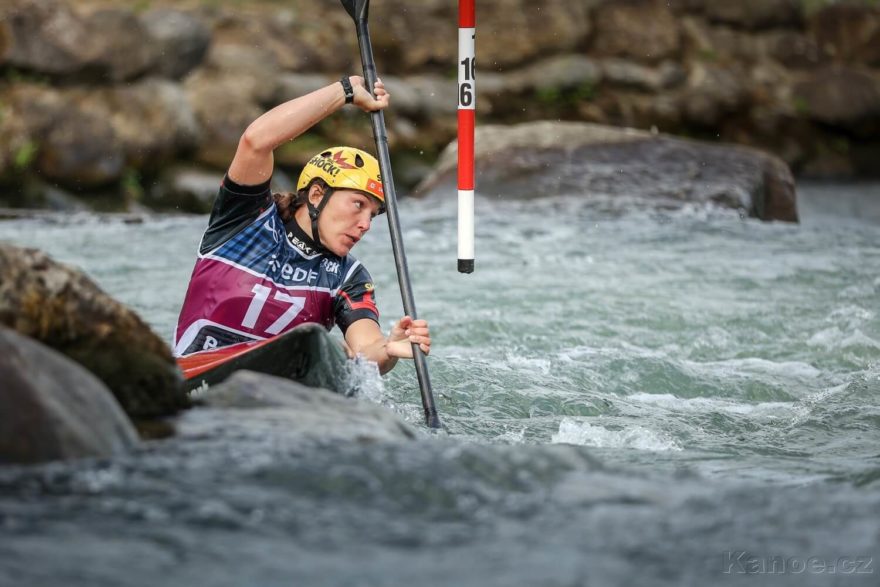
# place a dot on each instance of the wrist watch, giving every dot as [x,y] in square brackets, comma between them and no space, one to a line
[346,87]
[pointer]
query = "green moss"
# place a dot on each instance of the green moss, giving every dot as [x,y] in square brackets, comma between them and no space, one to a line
[548,95]
[25,155]
[840,145]
[132,186]
[801,106]
[15,76]
[296,153]
[709,55]
[140,6]
[555,97]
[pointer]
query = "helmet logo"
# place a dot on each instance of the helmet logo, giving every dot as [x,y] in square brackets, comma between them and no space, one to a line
[339,158]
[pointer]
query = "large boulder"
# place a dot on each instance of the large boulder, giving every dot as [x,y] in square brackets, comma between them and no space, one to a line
[643,30]
[754,14]
[849,31]
[51,408]
[49,37]
[589,160]
[294,411]
[27,29]
[65,310]
[152,121]
[414,36]
[180,38]
[65,143]
[842,96]
[86,137]
[713,91]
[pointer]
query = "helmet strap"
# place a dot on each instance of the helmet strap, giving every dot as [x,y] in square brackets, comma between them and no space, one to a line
[314,212]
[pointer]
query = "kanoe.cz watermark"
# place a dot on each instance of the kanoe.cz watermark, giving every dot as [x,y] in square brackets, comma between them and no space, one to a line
[743,562]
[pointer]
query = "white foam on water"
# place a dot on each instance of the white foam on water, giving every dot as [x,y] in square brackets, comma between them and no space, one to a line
[836,339]
[755,366]
[541,366]
[584,433]
[670,402]
[363,378]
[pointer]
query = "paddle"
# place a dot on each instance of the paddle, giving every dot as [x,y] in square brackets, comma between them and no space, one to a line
[358,10]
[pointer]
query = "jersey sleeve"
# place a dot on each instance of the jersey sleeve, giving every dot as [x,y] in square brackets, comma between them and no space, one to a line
[355,300]
[236,206]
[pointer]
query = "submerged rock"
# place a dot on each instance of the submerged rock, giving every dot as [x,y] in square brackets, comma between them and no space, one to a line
[65,310]
[53,409]
[553,158]
[297,411]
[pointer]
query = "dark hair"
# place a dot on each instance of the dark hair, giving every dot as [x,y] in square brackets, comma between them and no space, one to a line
[288,202]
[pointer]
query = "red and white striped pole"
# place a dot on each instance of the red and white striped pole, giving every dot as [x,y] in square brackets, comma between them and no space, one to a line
[467,99]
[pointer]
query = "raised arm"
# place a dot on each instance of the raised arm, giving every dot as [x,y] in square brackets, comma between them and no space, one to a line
[253,162]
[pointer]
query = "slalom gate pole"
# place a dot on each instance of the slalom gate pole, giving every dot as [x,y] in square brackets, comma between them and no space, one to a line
[467,99]
[358,10]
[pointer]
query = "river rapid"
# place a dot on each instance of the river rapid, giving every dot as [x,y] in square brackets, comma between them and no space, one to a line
[631,397]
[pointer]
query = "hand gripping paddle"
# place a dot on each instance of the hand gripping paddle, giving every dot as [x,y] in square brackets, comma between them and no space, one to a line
[358,10]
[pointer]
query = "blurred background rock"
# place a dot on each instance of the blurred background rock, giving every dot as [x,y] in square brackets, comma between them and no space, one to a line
[113,105]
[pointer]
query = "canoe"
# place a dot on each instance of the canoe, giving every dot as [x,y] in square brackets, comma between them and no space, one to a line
[306,354]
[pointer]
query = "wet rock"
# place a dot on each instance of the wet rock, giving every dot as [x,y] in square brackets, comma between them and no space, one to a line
[65,310]
[295,411]
[562,72]
[187,189]
[51,408]
[644,30]
[121,48]
[84,138]
[152,120]
[294,85]
[624,73]
[416,35]
[236,86]
[848,31]
[291,38]
[754,14]
[712,92]
[595,161]
[180,38]
[49,37]
[45,36]
[790,48]
[841,96]
[66,145]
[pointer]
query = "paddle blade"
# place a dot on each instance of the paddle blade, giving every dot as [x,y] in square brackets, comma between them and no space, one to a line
[357,9]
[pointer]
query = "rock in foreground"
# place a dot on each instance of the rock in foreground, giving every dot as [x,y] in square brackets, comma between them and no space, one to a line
[292,410]
[589,160]
[53,409]
[65,310]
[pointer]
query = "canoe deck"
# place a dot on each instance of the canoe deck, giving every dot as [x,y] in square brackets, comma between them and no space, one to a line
[306,354]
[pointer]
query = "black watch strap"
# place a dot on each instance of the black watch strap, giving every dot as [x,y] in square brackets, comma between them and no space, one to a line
[346,87]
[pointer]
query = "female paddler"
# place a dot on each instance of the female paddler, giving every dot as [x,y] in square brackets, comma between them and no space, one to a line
[268,262]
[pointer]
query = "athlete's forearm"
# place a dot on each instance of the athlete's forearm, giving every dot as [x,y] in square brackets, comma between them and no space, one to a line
[254,162]
[290,119]
[378,353]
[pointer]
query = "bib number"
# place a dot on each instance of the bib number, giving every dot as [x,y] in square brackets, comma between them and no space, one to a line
[261,295]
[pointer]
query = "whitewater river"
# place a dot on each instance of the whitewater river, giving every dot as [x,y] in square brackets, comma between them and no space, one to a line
[632,398]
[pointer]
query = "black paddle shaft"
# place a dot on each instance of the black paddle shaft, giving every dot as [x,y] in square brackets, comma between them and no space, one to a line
[358,10]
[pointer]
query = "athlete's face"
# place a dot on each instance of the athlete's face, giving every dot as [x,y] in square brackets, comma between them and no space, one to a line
[345,219]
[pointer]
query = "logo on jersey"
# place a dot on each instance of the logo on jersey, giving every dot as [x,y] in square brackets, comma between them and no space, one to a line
[330,266]
[298,243]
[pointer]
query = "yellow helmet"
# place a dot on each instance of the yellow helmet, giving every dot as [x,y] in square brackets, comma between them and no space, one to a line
[345,168]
